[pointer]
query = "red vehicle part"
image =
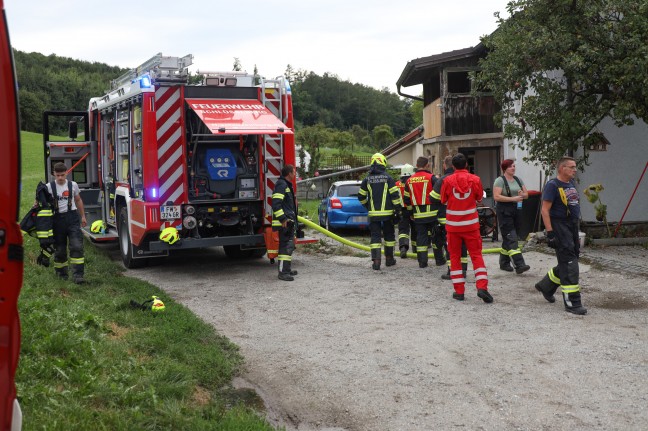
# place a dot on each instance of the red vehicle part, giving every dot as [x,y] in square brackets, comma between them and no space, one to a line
[11,250]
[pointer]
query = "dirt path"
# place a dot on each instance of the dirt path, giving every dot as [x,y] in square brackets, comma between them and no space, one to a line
[347,348]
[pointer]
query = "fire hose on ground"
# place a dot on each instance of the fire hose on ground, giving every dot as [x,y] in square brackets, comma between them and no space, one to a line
[360,246]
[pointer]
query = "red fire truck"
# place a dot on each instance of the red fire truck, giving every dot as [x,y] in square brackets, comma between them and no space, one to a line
[11,248]
[158,152]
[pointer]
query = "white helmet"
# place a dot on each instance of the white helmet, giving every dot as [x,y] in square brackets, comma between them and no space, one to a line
[407,170]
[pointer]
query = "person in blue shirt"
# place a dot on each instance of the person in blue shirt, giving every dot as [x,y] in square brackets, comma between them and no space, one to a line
[560,214]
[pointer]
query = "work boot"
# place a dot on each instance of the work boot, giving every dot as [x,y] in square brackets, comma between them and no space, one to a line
[422,258]
[390,261]
[547,288]
[573,303]
[485,296]
[520,265]
[505,262]
[403,252]
[63,275]
[285,276]
[439,259]
[458,296]
[376,264]
[293,272]
[522,268]
[446,276]
[78,279]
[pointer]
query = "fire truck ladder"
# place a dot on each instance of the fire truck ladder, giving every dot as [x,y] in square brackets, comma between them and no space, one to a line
[273,151]
[159,68]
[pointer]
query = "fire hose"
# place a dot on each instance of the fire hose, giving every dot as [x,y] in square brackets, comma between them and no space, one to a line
[360,246]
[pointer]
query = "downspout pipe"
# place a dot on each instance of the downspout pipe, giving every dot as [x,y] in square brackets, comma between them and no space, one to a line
[409,96]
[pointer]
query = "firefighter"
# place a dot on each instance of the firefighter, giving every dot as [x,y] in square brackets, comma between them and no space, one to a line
[508,193]
[560,214]
[69,218]
[441,217]
[284,220]
[418,196]
[406,224]
[38,222]
[379,194]
[461,192]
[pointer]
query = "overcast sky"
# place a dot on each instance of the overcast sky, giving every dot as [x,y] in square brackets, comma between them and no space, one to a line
[367,42]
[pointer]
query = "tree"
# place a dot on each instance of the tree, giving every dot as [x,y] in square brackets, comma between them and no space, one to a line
[237,65]
[382,136]
[313,138]
[570,63]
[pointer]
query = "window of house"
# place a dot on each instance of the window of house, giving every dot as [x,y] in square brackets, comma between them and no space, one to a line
[458,82]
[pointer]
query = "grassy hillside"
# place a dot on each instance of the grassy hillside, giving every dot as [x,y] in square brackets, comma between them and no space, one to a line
[89,361]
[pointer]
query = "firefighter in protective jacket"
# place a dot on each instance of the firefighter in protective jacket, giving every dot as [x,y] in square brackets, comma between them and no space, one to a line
[379,194]
[418,200]
[38,222]
[284,220]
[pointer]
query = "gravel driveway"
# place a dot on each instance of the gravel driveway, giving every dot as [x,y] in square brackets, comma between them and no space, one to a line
[347,348]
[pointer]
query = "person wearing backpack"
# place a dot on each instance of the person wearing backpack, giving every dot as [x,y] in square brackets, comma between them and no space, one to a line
[69,218]
[509,192]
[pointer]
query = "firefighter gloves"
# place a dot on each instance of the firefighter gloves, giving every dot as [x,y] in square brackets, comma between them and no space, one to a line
[552,241]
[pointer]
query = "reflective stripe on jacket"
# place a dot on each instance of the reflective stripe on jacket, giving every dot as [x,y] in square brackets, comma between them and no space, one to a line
[460,193]
[418,195]
[379,194]
[283,203]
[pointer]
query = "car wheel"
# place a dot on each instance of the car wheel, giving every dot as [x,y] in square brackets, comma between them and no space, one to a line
[328,224]
[321,220]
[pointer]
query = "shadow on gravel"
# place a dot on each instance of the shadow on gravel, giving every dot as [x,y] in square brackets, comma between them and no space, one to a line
[612,303]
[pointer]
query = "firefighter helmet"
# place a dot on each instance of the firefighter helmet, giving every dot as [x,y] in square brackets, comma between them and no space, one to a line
[157,305]
[407,170]
[98,226]
[169,235]
[378,159]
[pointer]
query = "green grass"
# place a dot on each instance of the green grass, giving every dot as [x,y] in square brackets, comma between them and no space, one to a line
[308,209]
[90,361]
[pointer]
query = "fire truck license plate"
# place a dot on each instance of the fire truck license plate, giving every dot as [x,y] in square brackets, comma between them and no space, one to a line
[170,212]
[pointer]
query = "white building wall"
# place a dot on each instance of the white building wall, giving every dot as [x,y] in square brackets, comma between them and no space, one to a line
[618,169]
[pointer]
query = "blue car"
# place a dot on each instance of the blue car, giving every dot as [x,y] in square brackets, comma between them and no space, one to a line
[340,208]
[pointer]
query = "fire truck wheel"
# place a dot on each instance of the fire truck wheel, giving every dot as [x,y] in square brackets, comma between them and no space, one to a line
[125,244]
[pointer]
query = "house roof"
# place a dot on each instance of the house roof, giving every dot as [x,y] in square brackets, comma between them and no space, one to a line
[419,70]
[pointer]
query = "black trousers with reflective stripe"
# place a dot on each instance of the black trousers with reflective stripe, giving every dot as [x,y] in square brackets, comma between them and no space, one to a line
[67,226]
[286,247]
[567,251]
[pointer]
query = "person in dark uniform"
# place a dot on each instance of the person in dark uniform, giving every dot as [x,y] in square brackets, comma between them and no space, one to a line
[69,218]
[509,192]
[379,194]
[560,214]
[406,225]
[418,197]
[284,220]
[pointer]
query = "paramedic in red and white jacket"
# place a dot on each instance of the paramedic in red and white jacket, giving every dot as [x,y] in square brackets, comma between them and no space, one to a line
[461,192]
